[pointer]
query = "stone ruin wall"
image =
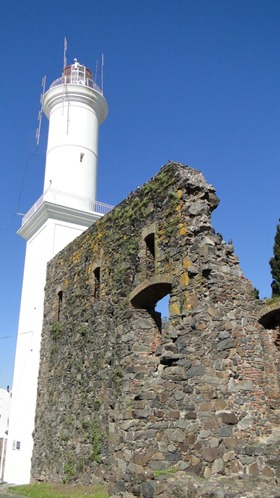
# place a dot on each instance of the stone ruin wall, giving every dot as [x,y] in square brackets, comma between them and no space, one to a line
[127,398]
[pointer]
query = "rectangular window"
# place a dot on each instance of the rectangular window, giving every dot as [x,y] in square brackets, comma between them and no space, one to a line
[59,304]
[150,254]
[96,275]
[16,445]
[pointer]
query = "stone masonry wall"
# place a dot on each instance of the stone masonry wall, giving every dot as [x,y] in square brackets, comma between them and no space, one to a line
[126,398]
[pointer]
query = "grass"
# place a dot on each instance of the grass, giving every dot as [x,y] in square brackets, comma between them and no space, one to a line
[162,472]
[272,300]
[97,438]
[45,490]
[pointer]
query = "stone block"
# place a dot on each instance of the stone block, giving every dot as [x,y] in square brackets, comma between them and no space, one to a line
[217,466]
[210,454]
[245,385]
[220,404]
[211,422]
[245,423]
[226,344]
[225,431]
[140,413]
[228,418]
[177,373]
[227,457]
[195,371]
[205,407]
[268,471]
[204,434]
[148,489]
[253,469]
[214,442]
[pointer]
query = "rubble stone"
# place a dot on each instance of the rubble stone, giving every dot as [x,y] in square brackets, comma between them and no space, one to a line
[149,403]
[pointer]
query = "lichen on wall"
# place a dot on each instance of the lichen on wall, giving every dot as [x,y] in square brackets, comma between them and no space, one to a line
[125,397]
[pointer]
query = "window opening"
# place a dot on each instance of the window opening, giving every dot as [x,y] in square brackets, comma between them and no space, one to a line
[59,304]
[155,299]
[150,243]
[96,274]
[150,254]
[162,307]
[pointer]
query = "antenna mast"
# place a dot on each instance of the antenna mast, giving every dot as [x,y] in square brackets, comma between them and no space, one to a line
[38,131]
[64,76]
[102,73]
[64,53]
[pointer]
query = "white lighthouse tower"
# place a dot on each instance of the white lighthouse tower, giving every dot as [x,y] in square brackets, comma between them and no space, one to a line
[75,107]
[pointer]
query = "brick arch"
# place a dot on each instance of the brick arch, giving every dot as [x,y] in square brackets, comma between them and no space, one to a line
[269,315]
[149,292]
[269,318]
[148,230]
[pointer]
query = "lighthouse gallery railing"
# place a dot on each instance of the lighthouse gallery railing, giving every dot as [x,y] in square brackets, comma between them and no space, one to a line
[61,198]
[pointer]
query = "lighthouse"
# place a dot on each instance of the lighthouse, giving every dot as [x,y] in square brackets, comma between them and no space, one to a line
[76,107]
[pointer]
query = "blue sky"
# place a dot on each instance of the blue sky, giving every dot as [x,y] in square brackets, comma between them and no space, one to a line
[195,81]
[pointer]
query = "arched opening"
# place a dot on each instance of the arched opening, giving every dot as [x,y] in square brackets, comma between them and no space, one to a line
[270,320]
[153,297]
[148,295]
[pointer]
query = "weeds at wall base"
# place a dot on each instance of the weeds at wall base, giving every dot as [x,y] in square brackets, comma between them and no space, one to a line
[48,490]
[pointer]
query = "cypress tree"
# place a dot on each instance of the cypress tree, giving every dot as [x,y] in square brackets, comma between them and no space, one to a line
[275,264]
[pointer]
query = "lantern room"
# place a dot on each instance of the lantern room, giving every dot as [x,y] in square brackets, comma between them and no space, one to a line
[77,74]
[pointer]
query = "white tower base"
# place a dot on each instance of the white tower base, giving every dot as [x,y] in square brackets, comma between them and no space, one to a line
[48,230]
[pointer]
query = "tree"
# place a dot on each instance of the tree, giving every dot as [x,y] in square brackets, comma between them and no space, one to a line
[256,293]
[275,264]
